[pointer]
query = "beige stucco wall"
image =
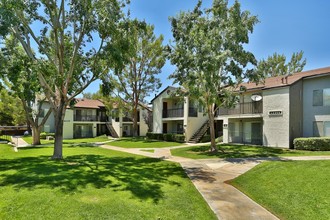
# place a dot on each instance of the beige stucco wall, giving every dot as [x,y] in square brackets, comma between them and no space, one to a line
[193,124]
[68,124]
[276,128]
[314,113]
[157,107]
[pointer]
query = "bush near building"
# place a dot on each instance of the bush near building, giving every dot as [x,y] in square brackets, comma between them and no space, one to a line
[312,143]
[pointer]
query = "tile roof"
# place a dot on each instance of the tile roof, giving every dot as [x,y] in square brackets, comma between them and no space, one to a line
[281,81]
[88,103]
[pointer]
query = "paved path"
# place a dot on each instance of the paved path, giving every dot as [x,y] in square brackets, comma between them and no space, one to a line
[18,141]
[209,177]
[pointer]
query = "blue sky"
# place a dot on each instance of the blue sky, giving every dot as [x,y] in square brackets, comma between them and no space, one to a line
[286,26]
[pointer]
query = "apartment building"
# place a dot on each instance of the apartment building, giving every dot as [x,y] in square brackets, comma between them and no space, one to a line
[88,118]
[175,114]
[282,108]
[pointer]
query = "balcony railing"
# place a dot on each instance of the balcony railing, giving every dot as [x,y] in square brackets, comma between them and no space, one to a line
[173,113]
[90,118]
[193,112]
[242,108]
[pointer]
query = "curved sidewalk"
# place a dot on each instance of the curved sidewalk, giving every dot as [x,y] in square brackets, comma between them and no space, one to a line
[209,177]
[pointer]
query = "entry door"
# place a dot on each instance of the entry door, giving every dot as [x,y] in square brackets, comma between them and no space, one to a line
[164,128]
[256,134]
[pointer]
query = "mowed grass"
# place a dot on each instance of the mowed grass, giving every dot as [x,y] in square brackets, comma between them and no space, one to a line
[291,190]
[94,183]
[142,143]
[102,138]
[241,151]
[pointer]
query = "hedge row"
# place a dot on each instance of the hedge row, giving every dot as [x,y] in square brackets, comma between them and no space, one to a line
[43,135]
[312,143]
[166,137]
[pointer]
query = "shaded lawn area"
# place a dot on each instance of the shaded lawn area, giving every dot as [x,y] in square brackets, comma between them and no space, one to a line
[142,143]
[94,183]
[102,138]
[291,190]
[241,151]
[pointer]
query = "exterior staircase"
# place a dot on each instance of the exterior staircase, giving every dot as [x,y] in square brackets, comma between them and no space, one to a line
[113,133]
[199,133]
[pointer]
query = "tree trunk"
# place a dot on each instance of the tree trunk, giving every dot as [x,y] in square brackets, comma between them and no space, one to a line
[36,135]
[59,114]
[212,130]
[135,122]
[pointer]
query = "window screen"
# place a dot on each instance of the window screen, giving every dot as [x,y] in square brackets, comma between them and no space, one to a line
[326,97]
[318,98]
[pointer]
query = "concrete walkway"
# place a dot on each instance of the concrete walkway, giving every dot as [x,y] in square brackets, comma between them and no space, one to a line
[210,176]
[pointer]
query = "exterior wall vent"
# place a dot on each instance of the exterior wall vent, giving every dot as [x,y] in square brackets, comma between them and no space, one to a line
[275,113]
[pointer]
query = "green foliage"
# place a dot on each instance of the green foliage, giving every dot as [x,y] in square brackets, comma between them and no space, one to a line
[65,42]
[312,143]
[294,190]
[168,137]
[180,138]
[205,138]
[11,110]
[135,64]
[209,54]
[276,65]
[43,135]
[155,136]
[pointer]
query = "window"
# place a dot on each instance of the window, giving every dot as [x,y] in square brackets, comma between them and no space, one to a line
[321,128]
[321,97]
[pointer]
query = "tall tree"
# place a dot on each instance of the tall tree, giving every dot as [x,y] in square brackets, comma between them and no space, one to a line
[16,70]
[11,113]
[209,54]
[69,38]
[276,65]
[140,59]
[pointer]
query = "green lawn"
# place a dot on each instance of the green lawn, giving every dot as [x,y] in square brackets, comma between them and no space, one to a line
[142,143]
[94,183]
[102,138]
[291,190]
[241,151]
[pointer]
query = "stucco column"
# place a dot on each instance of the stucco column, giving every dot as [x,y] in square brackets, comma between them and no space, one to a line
[225,130]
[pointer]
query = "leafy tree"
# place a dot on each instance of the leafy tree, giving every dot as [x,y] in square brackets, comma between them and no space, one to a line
[16,70]
[276,65]
[11,112]
[139,60]
[209,54]
[69,38]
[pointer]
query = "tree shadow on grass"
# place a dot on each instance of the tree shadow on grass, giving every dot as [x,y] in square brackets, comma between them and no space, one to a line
[241,151]
[143,177]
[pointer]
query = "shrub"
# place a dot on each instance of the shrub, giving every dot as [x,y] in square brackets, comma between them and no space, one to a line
[168,137]
[179,138]
[312,143]
[43,135]
[206,138]
[155,136]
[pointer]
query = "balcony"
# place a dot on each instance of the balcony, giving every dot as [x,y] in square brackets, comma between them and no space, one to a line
[90,118]
[242,108]
[193,112]
[173,113]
